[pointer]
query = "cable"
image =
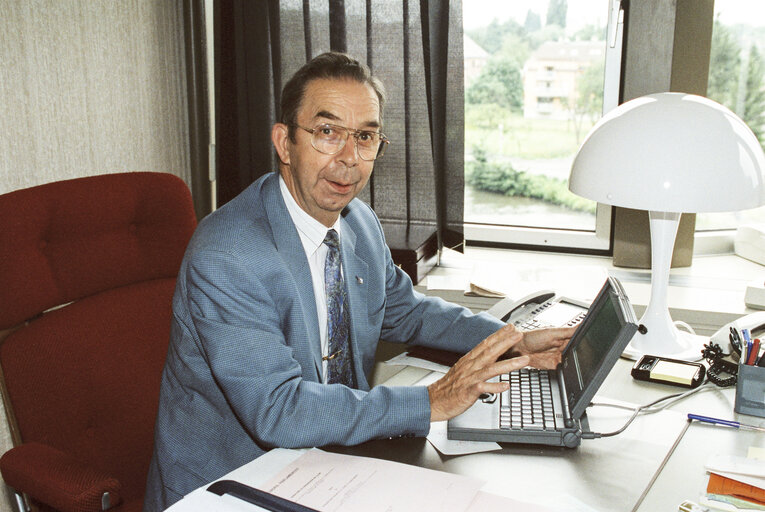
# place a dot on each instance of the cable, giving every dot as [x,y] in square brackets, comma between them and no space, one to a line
[650,408]
[688,328]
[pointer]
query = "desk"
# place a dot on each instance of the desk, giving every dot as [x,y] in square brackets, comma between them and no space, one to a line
[683,477]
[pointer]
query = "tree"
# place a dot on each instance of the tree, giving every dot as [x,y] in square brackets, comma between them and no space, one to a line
[589,97]
[516,49]
[590,33]
[754,100]
[556,13]
[499,83]
[533,22]
[724,63]
[490,37]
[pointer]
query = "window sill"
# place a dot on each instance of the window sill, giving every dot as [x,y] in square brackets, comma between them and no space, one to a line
[706,295]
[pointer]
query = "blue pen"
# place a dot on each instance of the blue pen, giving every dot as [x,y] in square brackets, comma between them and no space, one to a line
[746,349]
[728,423]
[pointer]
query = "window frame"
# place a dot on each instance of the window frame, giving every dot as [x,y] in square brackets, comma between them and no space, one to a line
[599,240]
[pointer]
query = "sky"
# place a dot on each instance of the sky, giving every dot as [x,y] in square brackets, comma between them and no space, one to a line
[479,13]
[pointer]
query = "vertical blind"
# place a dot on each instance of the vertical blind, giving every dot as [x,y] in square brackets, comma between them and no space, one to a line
[413,46]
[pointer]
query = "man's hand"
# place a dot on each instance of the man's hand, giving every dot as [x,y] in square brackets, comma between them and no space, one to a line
[543,346]
[456,391]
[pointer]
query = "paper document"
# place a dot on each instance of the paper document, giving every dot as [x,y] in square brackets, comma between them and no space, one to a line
[404,359]
[332,482]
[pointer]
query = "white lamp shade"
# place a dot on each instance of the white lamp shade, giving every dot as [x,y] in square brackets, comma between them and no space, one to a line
[671,152]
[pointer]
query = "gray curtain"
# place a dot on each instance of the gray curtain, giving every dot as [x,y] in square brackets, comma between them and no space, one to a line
[414,46]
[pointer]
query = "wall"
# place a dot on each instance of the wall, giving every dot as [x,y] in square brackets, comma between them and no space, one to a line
[89,87]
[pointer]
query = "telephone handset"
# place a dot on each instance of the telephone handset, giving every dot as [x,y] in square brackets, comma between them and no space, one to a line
[755,322]
[540,309]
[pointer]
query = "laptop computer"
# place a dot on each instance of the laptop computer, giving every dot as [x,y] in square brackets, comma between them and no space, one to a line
[562,395]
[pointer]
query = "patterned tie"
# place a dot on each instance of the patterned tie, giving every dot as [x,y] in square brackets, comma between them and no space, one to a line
[339,360]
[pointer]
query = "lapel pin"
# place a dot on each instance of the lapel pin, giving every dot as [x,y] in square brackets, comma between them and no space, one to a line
[359,280]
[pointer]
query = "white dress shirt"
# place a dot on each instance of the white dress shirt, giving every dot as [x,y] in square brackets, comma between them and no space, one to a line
[312,234]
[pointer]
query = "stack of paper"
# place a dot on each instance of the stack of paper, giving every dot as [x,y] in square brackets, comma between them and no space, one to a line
[735,483]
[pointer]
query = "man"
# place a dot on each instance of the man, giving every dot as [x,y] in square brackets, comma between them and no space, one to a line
[284,293]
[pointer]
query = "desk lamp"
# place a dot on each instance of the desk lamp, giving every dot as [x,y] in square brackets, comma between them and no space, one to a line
[669,153]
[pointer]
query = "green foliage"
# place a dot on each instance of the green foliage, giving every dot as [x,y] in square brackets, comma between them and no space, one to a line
[548,33]
[503,179]
[590,33]
[533,21]
[515,49]
[556,13]
[491,36]
[499,83]
[724,63]
[590,90]
[754,102]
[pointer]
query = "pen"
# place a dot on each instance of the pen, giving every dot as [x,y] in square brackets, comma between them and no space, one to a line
[729,423]
[256,497]
[754,352]
[743,339]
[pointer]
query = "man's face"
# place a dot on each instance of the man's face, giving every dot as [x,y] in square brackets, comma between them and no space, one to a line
[324,184]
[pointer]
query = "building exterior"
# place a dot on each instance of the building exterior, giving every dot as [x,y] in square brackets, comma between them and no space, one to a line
[550,76]
[475,59]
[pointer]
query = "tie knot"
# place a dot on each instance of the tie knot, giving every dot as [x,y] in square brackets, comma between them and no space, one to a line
[332,240]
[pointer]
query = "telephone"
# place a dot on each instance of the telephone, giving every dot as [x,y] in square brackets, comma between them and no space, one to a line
[755,322]
[540,309]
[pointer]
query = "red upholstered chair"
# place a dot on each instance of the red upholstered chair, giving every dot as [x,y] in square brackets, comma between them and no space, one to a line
[87,271]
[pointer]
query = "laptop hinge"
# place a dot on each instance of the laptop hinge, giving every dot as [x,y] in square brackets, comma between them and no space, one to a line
[567,419]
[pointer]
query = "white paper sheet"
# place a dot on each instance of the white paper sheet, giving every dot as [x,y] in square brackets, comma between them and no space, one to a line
[331,482]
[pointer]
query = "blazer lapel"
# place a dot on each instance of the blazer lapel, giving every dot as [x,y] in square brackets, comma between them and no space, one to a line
[291,249]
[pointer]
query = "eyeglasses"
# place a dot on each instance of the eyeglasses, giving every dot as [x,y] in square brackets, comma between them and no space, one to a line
[330,139]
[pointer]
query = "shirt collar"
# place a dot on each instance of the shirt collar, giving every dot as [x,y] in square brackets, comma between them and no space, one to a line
[311,230]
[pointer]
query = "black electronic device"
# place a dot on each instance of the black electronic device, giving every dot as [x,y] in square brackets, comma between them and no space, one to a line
[669,371]
[556,414]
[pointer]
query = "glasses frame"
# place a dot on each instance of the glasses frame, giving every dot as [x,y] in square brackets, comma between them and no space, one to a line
[349,131]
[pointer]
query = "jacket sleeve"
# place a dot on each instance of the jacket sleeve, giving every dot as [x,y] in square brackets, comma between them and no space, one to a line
[245,329]
[411,317]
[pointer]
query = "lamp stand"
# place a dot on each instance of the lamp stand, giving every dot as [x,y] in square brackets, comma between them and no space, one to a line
[657,334]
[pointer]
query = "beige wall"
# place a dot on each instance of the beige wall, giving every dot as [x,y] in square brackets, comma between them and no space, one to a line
[89,87]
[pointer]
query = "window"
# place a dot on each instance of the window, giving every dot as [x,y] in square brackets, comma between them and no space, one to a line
[558,62]
[737,80]
[534,86]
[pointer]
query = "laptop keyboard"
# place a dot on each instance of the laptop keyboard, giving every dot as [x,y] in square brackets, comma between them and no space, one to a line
[528,404]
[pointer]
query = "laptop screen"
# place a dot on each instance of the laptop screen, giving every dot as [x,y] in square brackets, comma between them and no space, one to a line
[596,345]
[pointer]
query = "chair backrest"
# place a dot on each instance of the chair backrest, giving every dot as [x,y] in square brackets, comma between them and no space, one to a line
[87,272]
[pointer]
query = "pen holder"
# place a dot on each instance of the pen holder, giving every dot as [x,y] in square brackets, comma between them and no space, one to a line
[750,390]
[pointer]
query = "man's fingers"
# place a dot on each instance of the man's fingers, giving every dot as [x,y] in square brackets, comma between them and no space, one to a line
[497,343]
[500,367]
[494,387]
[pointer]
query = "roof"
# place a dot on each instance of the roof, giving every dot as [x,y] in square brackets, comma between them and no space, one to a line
[570,50]
[473,50]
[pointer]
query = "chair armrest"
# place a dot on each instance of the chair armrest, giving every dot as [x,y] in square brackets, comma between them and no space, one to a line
[52,477]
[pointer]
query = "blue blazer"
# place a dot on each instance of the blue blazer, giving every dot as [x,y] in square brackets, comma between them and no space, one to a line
[243,369]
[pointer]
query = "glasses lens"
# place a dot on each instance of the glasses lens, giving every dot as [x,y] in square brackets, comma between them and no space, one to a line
[329,139]
[368,144]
